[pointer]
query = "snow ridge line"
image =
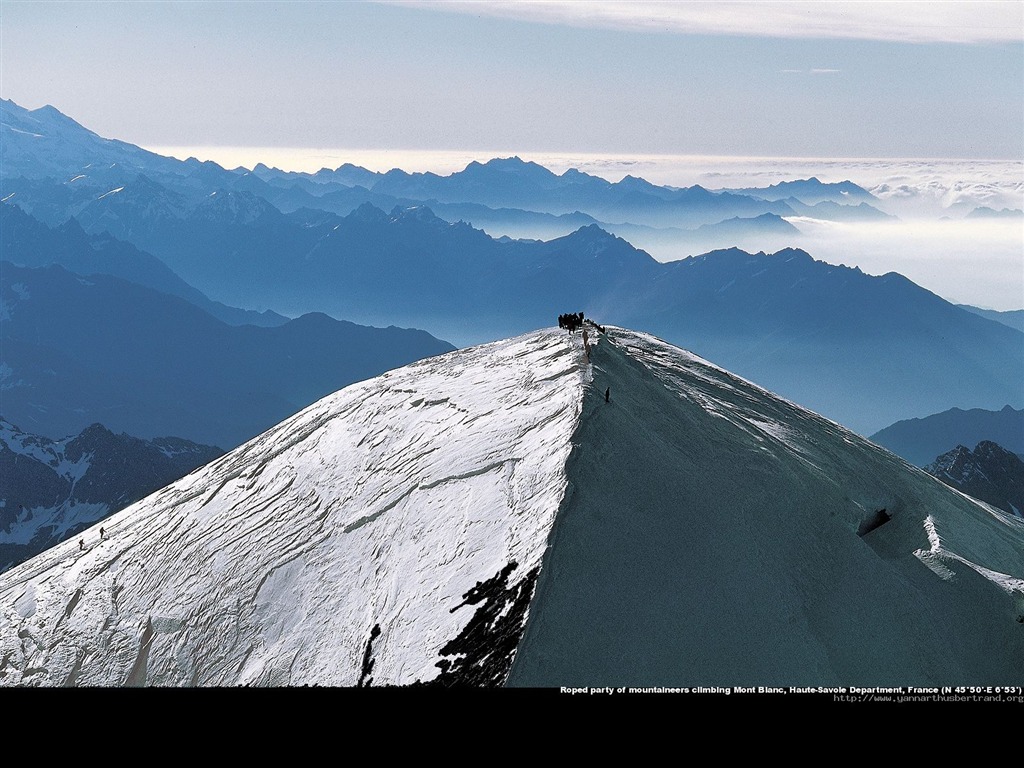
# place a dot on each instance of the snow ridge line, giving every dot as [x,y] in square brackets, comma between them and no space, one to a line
[935,556]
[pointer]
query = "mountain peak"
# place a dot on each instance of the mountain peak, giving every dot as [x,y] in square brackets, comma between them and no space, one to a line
[791,254]
[416,213]
[368,213]
[51,114]
[417,528]
[73,228]
[593,231]
[591,241]
[989,472]
[513,162]
[235,207]
[513,166]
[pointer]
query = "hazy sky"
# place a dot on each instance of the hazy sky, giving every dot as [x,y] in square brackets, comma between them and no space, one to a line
[797,79]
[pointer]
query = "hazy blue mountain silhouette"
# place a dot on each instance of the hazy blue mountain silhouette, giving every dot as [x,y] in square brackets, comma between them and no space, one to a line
[520,224]
[335,199]
[736,227]
[865,350]
[812,191]
[409,263]
[515,222]
[29,243]
[229,245]
[49,200]
[985,212]
[84,349]
[346,174]
[190,237]
[832,211]
[515,183]
[820,333]
[760,233]
[989,472]
[1014,318]
[134,210]
[919,441]
[143,199]
[44,143]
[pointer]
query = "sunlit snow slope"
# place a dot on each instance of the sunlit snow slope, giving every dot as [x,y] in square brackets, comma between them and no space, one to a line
[379,506]
[487,518]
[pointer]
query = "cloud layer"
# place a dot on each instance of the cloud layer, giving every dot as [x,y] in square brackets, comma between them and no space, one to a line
[913,21]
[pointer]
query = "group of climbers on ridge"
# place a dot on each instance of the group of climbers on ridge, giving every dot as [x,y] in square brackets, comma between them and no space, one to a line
[571,321]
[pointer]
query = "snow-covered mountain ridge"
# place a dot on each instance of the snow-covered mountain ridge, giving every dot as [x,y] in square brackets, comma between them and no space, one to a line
[488,517]
[380,505]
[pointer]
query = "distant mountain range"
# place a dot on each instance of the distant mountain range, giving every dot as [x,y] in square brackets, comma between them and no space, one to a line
[866,351]
[989,472]
[52,489]
[43,144]
[1013,318]
[28,242]
[984,212]
[83,349]
[514,183]
[862,349]
[919,441]
[811,192]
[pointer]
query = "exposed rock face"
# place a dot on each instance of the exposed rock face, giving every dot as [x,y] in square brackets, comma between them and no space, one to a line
[52,489]
[989,472]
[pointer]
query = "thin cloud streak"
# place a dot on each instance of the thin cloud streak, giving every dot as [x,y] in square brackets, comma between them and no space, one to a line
[914,21]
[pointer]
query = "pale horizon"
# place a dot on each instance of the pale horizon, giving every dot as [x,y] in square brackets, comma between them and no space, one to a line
[446,160]
[771,79]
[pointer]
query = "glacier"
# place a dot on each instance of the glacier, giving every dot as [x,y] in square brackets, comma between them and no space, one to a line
[487,518]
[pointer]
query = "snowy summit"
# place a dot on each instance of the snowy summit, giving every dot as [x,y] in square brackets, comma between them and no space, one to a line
[521,513]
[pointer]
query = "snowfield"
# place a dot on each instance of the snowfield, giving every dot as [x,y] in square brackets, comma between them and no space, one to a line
[382,504]
[486,518]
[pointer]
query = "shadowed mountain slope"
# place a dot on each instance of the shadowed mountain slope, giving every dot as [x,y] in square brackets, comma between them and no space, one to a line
[79,350]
